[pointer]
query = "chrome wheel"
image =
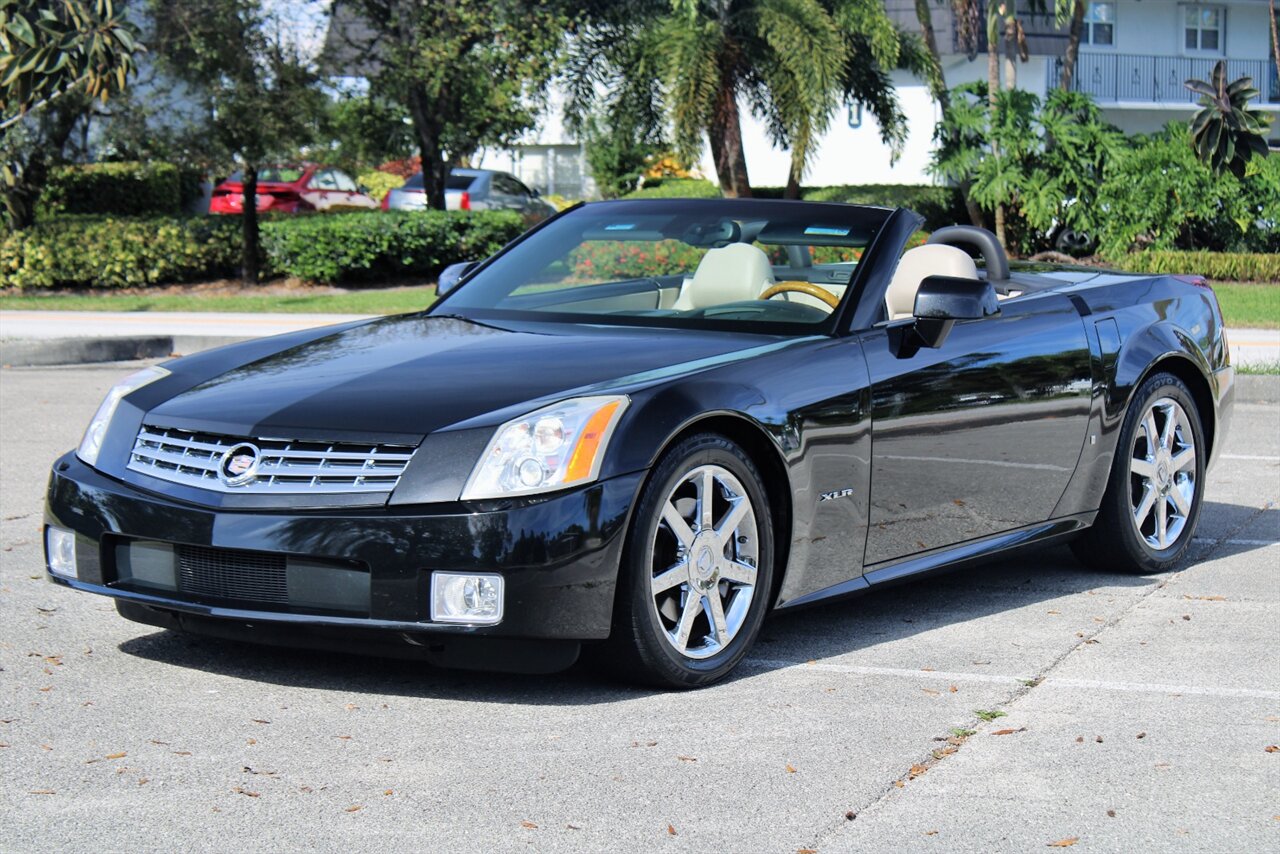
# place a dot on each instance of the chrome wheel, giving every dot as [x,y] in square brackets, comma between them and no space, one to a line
[703,562]
[1162,474]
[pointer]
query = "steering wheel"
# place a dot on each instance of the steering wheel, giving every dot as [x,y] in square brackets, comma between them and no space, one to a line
[804,288]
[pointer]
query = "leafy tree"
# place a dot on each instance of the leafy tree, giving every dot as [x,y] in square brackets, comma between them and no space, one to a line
[1226,133]
[1158,195]
[469,73]
[618,154]
[793,62]
[50,49]
[1051,162]
[367,130]
[261,94]
[55,59]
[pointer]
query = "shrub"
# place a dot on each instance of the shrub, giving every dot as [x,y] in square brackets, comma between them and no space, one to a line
[117,189]
[940,206]
[1217,266]
[676,188]
[85,251]
[601,260]
[376,244]
[1157,195]
[379,183]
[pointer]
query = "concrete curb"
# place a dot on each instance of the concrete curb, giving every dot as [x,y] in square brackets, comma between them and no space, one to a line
[76,351]
[44,352]
[1257,388]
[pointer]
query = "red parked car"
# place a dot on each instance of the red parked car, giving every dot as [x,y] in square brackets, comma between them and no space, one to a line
[293,189]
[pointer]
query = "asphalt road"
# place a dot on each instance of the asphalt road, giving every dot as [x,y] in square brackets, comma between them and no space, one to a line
[1136,711]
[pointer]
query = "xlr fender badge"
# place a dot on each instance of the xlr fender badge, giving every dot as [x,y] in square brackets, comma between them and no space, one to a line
[839,493]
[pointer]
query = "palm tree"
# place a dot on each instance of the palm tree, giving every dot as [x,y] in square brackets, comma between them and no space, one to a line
[791,62]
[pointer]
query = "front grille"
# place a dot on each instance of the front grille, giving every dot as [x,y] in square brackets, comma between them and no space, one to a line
[230,574]
[285,466]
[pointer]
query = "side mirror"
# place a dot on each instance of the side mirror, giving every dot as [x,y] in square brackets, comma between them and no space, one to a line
[451,275]
[533,191]
[942,300]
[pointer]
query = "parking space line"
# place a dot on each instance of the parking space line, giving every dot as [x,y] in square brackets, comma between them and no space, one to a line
[998,679]
[1155,688]
[861,670]
[1211,540]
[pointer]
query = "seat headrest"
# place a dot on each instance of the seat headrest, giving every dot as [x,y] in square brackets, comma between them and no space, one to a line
[918,264]
[733,273]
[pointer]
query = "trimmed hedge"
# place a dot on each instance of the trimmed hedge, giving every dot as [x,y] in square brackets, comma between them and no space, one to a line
[377,244]
[1216,266]
[940,206]
[83,251]
[675,188]
[119,189]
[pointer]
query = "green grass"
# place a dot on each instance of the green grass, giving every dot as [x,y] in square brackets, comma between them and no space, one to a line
[1243,304]
[1255,306]
[1258,368]
[390,301]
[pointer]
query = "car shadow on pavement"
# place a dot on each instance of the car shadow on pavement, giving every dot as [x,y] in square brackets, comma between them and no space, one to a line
[839,628]
[789,637]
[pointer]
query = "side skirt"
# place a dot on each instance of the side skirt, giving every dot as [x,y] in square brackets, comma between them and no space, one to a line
[945,560]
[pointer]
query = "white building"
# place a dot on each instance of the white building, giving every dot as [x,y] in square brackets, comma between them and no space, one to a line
[1134,57]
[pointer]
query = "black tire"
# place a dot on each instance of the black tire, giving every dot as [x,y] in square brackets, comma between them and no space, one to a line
[1114,542]
[642,647]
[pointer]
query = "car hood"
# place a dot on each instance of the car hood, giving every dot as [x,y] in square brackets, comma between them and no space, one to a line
[403,377]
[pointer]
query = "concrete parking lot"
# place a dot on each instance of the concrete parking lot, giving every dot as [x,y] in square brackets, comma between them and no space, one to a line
[1125,713]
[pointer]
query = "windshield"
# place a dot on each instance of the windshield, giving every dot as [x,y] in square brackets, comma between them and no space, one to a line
[678,262]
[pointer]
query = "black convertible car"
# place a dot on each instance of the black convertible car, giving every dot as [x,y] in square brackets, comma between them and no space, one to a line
[639,428]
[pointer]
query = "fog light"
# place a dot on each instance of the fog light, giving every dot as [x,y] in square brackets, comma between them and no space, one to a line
[471,599]
[60,551]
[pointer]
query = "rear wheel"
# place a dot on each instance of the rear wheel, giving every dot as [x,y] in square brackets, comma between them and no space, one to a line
[1152,503]
[698,568]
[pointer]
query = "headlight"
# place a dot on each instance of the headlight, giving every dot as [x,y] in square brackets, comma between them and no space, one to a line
[553,448]
[91,444]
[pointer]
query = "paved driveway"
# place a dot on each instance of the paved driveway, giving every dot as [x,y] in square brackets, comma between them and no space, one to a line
[1136,712]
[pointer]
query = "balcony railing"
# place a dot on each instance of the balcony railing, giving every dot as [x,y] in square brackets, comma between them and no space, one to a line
[1125,77]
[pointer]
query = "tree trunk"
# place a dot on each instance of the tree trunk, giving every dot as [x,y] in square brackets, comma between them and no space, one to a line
[725,134]
[975,212]
[1275,34]
[249,256]
[793,184]
[937,80]
[435,170]
[1010,52]
[1073,46]
[993,92]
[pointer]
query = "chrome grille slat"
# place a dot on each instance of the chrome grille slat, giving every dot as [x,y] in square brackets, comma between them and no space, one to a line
[287,466]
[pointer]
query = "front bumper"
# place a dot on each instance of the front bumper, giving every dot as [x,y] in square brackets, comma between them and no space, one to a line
[559,558]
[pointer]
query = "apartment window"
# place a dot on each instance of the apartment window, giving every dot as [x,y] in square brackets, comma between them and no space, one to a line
[1100,25]
[1202,28]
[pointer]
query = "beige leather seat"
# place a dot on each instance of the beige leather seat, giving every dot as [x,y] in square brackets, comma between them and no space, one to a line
[735,272]
[918,264]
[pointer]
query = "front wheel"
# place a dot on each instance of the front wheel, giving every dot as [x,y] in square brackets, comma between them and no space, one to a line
[1152,503]
[698,568]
